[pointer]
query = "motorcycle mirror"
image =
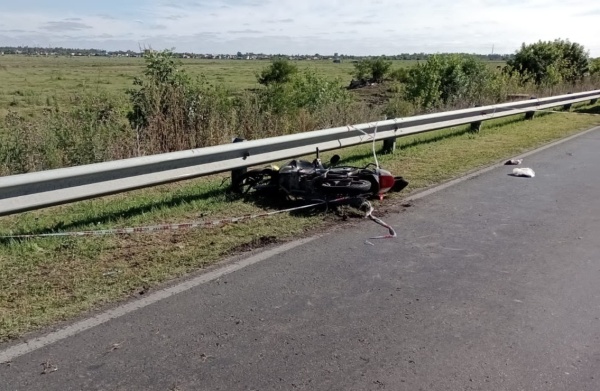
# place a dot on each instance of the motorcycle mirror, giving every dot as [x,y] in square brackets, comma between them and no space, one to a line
[335,159]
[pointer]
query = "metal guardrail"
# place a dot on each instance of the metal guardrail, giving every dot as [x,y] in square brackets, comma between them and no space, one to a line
[19,193]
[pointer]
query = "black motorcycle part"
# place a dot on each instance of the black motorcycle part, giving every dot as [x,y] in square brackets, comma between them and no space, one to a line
[399,184]
[345,186]
[257,181]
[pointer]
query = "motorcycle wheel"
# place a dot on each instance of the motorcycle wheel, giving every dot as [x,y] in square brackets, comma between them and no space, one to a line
[257,181]
[346,187]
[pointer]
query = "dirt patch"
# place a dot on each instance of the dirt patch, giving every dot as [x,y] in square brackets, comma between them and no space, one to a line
[255,243]
[375,94]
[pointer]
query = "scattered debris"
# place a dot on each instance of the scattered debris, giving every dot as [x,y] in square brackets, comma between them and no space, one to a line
[115,346]
[523,172]
[205,358]
[369,214]
[513,162]
[48,368]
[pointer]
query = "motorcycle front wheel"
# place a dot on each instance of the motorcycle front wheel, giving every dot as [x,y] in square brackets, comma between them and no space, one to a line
[257,181]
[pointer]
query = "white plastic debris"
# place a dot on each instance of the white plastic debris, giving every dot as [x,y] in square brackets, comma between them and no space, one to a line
[526,172]
[513,162]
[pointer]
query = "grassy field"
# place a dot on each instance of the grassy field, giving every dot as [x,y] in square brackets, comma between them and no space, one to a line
[43,281]
[32,83]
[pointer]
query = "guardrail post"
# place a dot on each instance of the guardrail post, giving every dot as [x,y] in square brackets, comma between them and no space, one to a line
[594,101]
[568,106]
[236,175]
[476,126]
[389,145]
[530,114]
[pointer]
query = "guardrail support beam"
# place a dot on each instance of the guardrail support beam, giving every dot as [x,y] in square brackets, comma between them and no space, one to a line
[530,114]
[568,106]
[236,175]
[389,145]
[476,126]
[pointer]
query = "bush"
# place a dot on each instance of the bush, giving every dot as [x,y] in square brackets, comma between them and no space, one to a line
[447,80]
[171,111]
[379,69]
[398,107]
[550,62]
[306,90]
[372,69]
[399,74]
[595,66]
[280,71]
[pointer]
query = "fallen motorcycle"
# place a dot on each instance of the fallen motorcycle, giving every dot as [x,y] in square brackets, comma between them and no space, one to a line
[314,181]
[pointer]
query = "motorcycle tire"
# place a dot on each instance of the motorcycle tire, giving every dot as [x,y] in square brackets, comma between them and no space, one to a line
[257,181]
[346,187]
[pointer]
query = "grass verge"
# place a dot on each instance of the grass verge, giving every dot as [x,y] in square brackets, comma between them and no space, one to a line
[43,281]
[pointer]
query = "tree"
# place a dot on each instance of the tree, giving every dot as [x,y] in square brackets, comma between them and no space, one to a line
[372,69]
[280,71]
[550,62]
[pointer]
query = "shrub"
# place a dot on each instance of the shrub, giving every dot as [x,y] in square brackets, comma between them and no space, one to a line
[306,90]
[380,68]
[550,62]
[447,80]
[372,69]
[399,74]
[398,107]
[171,111]
[280,71]
[595,66]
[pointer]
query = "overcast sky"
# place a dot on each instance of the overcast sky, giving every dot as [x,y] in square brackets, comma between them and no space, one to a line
[359,27]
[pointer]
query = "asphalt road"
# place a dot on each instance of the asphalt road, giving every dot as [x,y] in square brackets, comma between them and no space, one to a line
[493,284]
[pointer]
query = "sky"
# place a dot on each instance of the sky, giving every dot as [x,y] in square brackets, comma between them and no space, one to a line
[358,27]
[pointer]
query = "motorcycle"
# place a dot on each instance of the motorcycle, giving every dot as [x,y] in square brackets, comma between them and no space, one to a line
[315,181]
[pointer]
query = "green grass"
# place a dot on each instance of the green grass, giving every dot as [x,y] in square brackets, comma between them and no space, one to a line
[30,84]
[43,281]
